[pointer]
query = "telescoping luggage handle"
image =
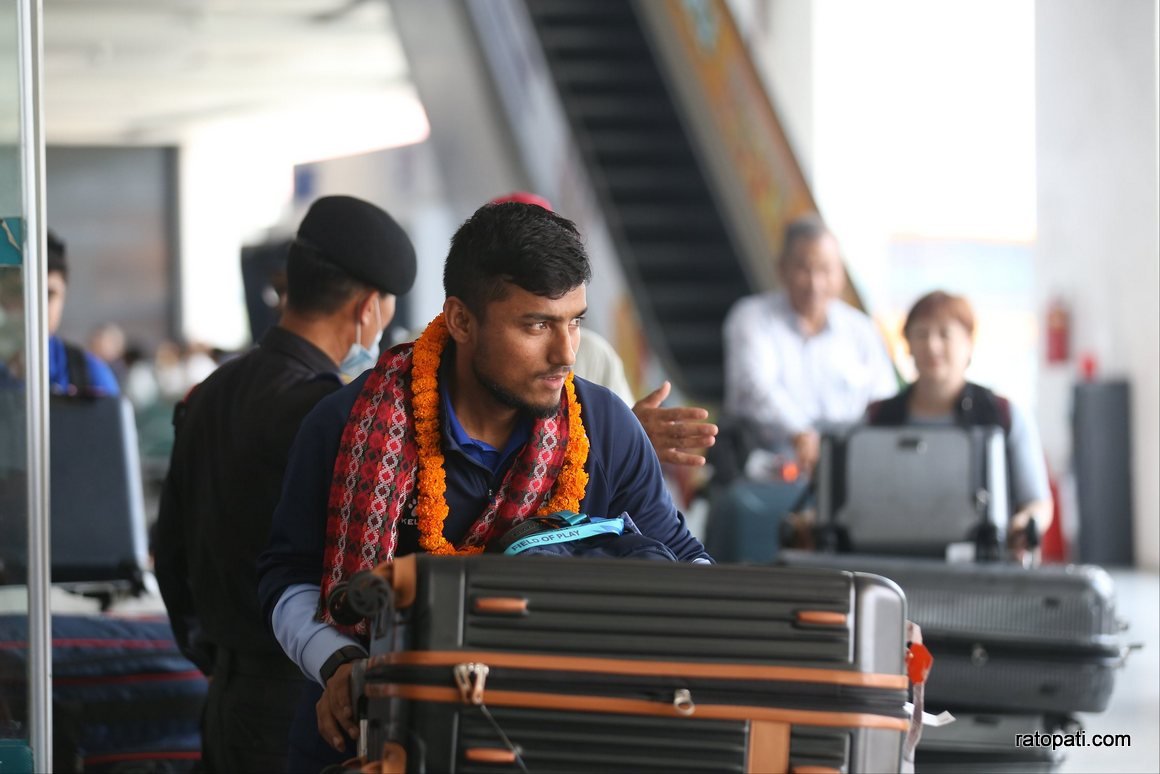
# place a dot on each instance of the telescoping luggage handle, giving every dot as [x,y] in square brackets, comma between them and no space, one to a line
[390,586]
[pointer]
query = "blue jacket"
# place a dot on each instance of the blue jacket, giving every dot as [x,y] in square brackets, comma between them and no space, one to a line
[623,470]
[100,376]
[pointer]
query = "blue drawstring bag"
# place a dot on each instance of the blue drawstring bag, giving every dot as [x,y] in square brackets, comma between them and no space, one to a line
[565,533]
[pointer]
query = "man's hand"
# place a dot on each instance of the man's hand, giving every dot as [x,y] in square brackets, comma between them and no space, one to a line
[334,710]
[807,448]
[674,431]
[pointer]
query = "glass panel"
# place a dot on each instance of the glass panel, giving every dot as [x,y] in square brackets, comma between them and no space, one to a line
[14,728]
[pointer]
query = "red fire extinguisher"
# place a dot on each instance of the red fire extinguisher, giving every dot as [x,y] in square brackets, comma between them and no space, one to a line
[1058,332]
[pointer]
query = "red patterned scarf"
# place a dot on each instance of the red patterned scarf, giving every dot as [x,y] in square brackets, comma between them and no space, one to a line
[377,472]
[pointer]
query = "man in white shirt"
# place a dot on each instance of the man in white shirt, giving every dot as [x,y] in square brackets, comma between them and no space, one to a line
[799,358]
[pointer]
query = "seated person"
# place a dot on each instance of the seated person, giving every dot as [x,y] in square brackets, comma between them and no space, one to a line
[939,330]
[799,358]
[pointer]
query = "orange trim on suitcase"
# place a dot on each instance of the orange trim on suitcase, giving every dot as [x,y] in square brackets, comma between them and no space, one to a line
[604,704]
[643,668]
[768,747]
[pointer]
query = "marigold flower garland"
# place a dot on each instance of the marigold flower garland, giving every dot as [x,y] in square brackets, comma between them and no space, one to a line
[431,507]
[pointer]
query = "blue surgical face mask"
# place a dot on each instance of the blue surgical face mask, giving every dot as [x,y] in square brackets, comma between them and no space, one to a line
[359,358]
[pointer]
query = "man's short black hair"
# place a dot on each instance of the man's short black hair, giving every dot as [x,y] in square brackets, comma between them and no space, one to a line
[57,259]
[521,244]
[808,229]
[314,283]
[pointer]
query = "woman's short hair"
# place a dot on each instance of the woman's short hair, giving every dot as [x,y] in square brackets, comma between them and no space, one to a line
[941,302]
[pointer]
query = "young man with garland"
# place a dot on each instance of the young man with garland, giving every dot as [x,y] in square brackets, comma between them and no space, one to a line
[449,442]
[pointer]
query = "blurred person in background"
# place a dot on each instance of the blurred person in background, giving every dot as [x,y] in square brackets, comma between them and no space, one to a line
[345,268]
[799,358]
[179,368]
[140,379]
[939,331]
[71,370]
[107,342]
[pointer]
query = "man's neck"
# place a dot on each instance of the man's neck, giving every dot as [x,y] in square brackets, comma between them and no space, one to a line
[811,325]
[934,399]
[480,415]
[319,331]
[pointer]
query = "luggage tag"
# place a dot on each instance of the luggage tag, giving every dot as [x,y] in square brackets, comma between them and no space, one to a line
[918,664]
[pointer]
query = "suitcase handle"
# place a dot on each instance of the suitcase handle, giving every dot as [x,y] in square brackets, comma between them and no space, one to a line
[913,443]
[369,591]
[363,597]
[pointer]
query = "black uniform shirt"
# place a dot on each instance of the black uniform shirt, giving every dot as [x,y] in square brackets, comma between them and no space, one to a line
[225,479]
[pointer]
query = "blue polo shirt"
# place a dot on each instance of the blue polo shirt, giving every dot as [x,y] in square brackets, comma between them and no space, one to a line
[481,451]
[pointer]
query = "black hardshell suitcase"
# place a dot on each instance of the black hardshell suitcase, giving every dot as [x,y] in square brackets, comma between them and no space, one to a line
[621,665]
[977,743]
[1005,638]
[99,538]
[913,490]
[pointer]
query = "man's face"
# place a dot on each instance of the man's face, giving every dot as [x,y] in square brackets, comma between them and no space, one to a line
[525,345]
[813,276]
[57,290]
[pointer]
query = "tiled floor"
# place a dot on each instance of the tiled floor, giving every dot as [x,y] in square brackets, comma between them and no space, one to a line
[1135,705]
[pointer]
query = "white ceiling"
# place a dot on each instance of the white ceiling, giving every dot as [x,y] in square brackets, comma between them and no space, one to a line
[146,71]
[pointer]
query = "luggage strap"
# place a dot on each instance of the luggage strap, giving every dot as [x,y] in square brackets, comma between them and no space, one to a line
[470,671]
[682,704]
[632,667]
[768,746]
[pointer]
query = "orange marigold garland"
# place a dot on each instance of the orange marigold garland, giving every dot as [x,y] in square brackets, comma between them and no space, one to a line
[431,507]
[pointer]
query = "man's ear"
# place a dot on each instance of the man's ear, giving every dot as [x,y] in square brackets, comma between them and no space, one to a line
[460,321]
[365,308]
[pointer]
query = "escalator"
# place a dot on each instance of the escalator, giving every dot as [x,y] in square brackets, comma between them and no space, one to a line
[683,270]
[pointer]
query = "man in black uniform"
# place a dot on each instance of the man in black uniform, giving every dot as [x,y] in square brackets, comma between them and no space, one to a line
[349,261]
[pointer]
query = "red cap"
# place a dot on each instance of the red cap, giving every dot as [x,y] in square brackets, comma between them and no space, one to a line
[523,197]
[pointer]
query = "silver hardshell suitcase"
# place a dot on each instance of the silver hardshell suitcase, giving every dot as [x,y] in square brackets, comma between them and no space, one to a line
[913,490]
[1005,638]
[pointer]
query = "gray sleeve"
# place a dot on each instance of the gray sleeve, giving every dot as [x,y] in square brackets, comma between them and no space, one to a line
[1025,460]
